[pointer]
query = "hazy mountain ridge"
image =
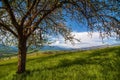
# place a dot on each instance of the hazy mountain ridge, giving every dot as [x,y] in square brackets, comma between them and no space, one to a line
[7,49]
[12,49]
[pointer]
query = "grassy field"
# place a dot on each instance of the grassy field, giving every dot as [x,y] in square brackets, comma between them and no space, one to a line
[98,64]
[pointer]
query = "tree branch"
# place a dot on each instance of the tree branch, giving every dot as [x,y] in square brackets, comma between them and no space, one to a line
[10,12]
[113,18]
[28,12]
[8,29]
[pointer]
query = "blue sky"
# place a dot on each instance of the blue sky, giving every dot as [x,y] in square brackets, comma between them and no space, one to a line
[76,27]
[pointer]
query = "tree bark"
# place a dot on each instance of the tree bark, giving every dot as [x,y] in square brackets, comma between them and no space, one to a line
[22,50]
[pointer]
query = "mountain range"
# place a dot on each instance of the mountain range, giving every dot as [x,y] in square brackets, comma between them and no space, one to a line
[13,49]
[7,49]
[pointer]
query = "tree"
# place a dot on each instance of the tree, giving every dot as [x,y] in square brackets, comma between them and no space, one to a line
[29,22]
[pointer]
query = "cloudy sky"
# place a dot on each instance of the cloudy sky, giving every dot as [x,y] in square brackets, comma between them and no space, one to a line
[86,40]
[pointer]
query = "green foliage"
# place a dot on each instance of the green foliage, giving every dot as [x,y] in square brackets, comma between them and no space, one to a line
[99,64]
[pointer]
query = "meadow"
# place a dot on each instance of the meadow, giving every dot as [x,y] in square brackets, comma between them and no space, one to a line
[97,64]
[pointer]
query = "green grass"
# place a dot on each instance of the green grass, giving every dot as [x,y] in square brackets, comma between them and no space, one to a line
[98,64]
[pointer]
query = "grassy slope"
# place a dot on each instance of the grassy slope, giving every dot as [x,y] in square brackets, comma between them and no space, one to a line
[99,64]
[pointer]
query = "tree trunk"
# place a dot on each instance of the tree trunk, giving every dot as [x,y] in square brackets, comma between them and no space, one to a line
[22,50]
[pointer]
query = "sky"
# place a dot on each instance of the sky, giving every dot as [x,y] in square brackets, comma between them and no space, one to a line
[86,40]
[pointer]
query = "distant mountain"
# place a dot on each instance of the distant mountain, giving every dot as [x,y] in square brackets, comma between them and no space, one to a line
[7,49]
[44,48]
[12,49]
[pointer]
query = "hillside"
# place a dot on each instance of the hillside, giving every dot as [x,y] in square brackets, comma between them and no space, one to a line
[98,64]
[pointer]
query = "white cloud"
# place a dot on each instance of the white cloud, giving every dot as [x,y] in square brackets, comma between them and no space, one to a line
[85,40]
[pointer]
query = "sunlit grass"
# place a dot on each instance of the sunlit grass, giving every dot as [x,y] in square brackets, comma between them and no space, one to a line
[99,64]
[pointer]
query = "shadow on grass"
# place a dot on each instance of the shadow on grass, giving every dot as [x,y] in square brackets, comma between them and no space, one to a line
[102,52]
[22,76]
[50,56]
[9,64]
[118,52]
[104,62]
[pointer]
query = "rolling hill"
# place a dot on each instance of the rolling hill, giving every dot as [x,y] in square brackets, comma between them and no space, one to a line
[97,64]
